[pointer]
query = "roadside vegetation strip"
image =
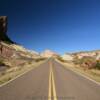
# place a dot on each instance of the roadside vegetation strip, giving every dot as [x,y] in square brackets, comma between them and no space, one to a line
[11,76]
[52,85]
[81,72]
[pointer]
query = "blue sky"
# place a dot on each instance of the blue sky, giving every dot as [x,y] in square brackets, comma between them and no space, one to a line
[59,25]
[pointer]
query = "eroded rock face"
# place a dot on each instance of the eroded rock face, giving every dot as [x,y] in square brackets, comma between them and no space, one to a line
[3,27]
[3,24]
[11,53]
[6,51]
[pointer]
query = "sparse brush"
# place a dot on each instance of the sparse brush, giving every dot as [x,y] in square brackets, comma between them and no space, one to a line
[1,63]
[98,65]
[39,59]
[61,59]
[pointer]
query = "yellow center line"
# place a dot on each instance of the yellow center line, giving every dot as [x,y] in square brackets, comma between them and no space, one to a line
[49,96]
[52,87]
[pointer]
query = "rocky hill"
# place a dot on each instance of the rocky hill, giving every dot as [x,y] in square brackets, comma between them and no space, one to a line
[79,55]
[48,53]
[95,54]
[86,59]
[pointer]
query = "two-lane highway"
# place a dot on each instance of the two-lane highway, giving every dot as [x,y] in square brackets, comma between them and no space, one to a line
[50,81]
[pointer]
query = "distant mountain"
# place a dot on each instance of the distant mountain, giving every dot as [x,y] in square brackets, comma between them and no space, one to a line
[48,53]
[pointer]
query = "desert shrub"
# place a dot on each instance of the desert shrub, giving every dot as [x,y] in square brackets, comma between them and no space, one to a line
[88,62]
[61,59]
[1,63]
[29,62]
[97,66]
[76,60]
[39,59]
[3,73]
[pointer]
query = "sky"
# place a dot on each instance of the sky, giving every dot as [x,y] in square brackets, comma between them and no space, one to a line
[59,25]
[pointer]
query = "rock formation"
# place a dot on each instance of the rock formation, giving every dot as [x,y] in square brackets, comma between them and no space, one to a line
[3,29]
[8,48]
[6,51]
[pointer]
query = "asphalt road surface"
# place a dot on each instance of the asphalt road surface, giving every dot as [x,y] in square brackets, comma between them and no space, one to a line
[50,81]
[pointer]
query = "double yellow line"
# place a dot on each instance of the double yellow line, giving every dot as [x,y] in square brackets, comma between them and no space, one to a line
[52,89]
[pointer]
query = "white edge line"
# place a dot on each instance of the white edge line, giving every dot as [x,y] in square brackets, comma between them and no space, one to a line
[78,73]
[16,77]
